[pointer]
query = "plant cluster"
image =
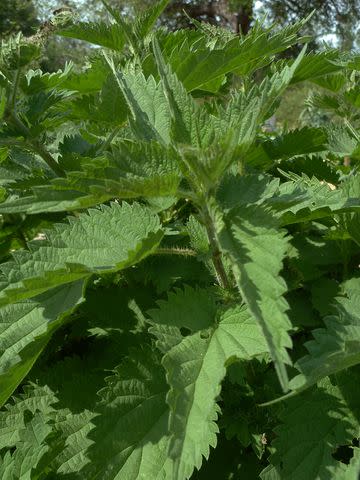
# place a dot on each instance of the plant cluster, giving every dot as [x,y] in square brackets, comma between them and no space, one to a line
[179,288]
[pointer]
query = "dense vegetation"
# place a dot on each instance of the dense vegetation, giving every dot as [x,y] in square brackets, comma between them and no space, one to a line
[179,290]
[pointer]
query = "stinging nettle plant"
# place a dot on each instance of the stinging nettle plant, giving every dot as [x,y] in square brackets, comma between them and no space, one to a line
[170,269]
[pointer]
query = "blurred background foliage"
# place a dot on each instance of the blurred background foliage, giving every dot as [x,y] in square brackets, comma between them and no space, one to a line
[334,23]
[337,20]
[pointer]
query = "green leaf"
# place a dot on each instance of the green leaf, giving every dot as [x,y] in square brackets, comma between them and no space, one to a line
[36,81]
[324,102]
[318,65]
[304,199]
[196,365]
[335,347]
[296,143]
[132,170]
[100,33]
[238,190]
[32,455]
[111,106]
[348,472]
[17,165]
[25,329]
[147,104]
[48,199]
[310,256]
[198,236]
[131,433]
[89,80]
[333,81]
[353,226]
[175,124]
[71,418]
[69,415]
[146,20]
[6,467]
[12,422]
[197,64]
[257,247]
[352,96]
[187,123]
[99,241]
[313,425]
[242,116]
[145,169]
[234,131]
[73,429]
[164,271]
[272,87]
[311,165]
[17,52]
[340,142]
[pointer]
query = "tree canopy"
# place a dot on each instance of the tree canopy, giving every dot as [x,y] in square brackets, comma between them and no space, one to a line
[17,15]
[331,17]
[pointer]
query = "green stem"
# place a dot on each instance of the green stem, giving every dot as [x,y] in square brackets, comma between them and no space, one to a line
[15,89]
[108,141]
[216,253]
[36,146]
[49,159]
[187,252]
[352,129]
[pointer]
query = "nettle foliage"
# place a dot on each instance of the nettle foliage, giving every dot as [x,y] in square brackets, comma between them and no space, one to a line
[171,269]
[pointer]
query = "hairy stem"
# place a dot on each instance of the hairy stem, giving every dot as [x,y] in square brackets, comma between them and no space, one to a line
[187,252]
[37,146]
[108,141]
[352,129]
[48,158]
[216,253]
[15,89]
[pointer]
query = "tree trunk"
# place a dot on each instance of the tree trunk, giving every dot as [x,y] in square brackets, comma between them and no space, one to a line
[244,17]
[240,21]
